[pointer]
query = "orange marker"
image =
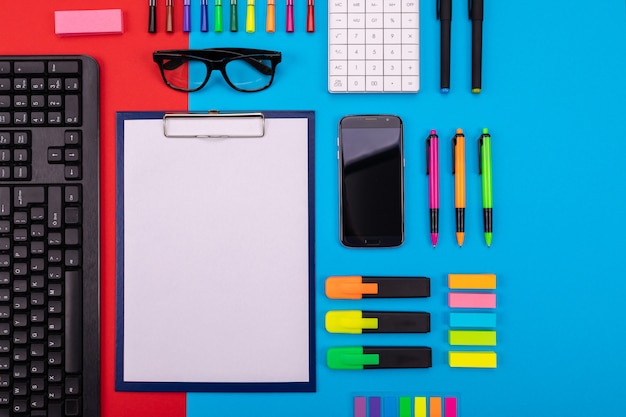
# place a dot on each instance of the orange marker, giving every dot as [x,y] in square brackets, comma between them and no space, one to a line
[270,23]
[458,169]
[357,287]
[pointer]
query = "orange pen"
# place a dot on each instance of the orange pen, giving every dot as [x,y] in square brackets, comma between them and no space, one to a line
[270,23]
[458,169]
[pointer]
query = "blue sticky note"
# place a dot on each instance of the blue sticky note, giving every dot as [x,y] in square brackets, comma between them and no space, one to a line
[473,320]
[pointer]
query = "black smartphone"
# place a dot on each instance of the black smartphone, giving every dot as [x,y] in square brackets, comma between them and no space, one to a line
[371,184]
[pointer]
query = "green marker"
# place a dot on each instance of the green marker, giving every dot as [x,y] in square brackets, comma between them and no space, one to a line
[218,15]
[234,21]
[372,357]
[484,167]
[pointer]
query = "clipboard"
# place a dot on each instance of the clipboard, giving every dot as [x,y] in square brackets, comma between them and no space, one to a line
[215,252]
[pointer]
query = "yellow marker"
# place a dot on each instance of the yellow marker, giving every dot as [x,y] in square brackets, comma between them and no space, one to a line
[250,17]
[472,359]
[472,281]
[349,321]
[420,407]
[472,337]
[270,23]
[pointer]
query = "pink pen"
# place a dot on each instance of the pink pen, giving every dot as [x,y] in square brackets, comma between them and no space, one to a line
[432,170]
[289,15]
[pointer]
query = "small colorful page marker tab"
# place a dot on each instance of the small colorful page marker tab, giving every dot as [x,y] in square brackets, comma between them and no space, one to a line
[472,337]
[473,320]
[88,22]
[390,407]
[472,281]
[471,300]
[472,359]
[374,406]
[450,407]
[420,407]
[435,407]
[405,407]
[360,407]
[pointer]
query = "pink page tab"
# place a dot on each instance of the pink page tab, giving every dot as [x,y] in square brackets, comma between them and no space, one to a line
[450,407]
[88,22]
[360,407]
[471,300]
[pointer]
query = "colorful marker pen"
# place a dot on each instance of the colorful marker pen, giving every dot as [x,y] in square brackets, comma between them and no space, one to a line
[234,20]
[250,24]
[187,16]
[270,23]
[310,16]
[204,16]
[289,15]
[152,16]
[218,15]
[169,18]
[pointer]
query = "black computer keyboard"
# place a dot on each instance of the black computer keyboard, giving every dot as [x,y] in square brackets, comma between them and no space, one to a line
[49,236]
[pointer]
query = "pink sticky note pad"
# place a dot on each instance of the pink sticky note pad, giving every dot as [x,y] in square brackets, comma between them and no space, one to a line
[88,22]
[471,300]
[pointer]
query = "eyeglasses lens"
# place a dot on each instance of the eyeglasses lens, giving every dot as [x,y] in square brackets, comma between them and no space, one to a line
[183,73]
[250,73]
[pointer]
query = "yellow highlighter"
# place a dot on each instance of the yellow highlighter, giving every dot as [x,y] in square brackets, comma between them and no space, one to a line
[270,23]
[250,17]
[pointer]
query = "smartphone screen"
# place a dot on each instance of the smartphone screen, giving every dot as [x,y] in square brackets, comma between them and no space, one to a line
[371,181]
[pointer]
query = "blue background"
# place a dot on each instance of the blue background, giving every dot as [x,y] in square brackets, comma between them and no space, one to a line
[554,83]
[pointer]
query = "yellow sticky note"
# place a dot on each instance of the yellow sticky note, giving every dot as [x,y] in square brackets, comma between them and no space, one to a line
[472,359]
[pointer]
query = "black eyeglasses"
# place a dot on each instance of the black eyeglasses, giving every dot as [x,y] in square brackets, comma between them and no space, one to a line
[244,69]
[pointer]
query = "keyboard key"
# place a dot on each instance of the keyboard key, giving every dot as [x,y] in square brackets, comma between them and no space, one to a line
[29,67]
[72,137]
[62,67]
[28,195]
[73,321]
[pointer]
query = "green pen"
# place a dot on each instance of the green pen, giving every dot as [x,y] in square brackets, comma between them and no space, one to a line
[234,26]
[218,15]
[484,168]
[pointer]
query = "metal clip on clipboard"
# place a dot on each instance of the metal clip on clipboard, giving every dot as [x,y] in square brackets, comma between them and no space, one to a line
[214,125]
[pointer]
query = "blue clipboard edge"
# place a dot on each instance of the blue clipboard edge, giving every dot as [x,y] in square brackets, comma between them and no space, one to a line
[120,384]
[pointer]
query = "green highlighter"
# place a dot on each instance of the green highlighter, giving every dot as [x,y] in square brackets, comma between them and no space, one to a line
[378,357]
[484,168]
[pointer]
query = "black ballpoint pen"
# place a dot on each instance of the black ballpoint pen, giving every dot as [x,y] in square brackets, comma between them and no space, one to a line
[152,16]
[444,15]
[476,16]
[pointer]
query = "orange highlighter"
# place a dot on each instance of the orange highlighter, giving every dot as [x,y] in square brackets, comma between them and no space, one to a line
[458,169]
[355,287]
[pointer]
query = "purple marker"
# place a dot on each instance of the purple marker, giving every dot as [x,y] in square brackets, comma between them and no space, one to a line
[187,16]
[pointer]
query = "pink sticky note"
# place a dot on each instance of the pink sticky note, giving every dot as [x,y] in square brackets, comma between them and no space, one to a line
[360,407]
[450,407]
[88,22]
[471,300]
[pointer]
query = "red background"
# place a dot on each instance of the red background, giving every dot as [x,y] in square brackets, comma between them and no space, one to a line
[129,80]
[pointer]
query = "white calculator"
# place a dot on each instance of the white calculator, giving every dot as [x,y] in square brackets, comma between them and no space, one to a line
[373,46]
